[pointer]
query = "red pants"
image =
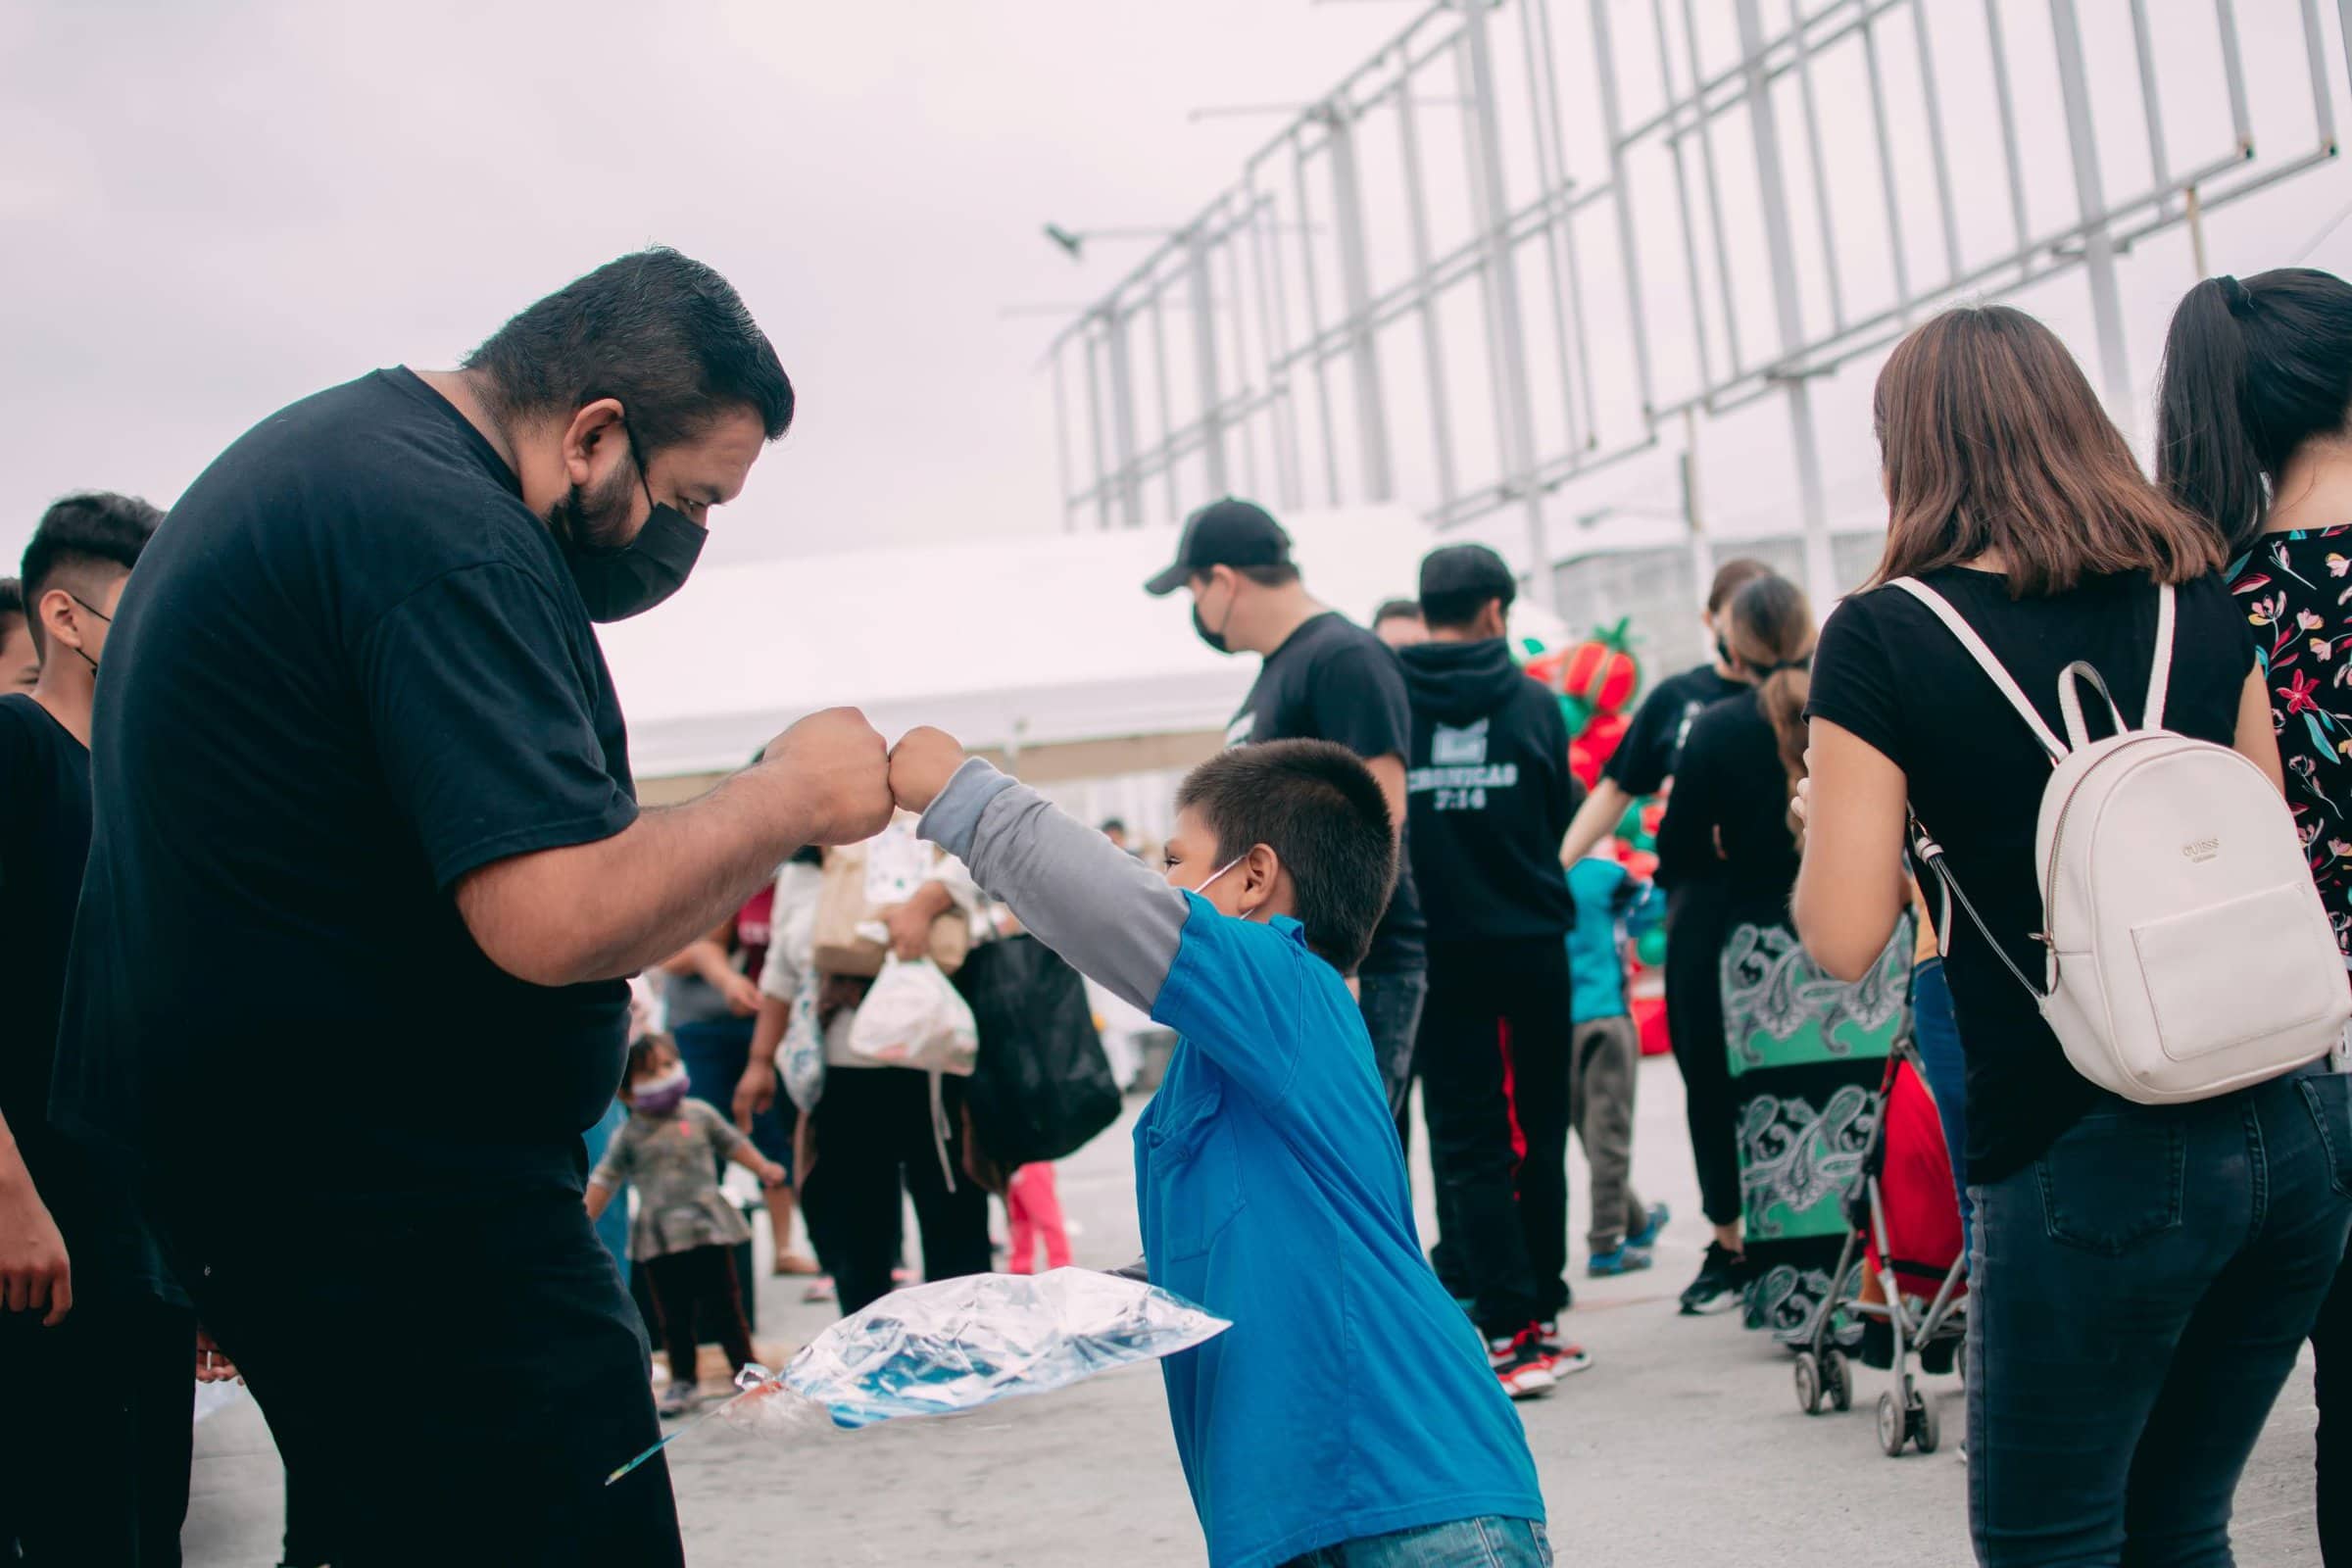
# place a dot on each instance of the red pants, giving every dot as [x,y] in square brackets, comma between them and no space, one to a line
[1034,1209]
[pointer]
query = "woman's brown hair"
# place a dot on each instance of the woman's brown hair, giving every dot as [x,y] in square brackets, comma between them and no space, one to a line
[1993,442]
[1769,630]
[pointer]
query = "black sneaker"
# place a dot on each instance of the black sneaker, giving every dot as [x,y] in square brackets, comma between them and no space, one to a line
[1721,1279]
[1521,1364]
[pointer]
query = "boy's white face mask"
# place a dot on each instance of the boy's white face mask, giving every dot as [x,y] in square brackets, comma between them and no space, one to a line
[1203,888]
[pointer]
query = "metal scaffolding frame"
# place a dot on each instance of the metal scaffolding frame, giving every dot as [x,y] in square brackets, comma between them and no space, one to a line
[1611,235]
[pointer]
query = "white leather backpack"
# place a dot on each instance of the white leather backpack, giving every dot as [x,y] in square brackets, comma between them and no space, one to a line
[2188,951]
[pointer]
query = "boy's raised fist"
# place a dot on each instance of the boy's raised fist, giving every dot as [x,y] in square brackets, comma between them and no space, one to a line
[921,765]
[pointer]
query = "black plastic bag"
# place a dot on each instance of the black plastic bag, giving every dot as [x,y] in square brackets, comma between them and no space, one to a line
[1042,1088]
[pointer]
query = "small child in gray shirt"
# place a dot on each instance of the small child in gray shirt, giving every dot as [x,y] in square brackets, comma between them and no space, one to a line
[685,1232]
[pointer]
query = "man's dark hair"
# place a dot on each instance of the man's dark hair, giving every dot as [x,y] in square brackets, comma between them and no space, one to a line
[664,334]
[1111,824]
[1264,576]
[1731,576]
[1398,609]
[83,542]
[1319,810]
[12,597]
[1453,610]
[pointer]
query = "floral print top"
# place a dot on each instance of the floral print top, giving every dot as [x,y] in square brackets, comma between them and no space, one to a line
[2297,590]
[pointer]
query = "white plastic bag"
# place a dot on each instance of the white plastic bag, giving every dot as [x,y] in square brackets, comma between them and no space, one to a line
[915,1017]
[957,1344]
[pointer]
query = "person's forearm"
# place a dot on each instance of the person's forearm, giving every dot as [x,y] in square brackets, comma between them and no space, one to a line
[767,1032]
[930,900]
[1595,820]
[599,1195]
[1078,892]
[610,909]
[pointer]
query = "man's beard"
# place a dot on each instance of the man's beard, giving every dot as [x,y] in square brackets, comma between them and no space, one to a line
[599,521]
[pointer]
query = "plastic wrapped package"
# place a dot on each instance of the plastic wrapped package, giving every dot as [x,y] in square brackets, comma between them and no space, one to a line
[964,1342]
[961,1344]
[915,1017]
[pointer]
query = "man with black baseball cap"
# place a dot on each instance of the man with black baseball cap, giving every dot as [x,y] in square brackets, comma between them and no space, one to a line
[1323,678]
[1491,795]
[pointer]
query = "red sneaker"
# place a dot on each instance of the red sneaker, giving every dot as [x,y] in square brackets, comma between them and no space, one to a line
[1521,1366]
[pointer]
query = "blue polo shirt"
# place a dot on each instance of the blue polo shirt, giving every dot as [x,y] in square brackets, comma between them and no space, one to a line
[1350,1398]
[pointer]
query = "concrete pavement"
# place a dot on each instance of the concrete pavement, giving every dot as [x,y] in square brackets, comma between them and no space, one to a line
[1682,1445]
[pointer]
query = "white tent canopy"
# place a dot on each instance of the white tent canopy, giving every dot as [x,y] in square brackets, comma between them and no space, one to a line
[1023,640]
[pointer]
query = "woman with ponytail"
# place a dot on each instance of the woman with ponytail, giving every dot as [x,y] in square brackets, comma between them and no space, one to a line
[2254,436]
[1805,1052]
[2141,1276]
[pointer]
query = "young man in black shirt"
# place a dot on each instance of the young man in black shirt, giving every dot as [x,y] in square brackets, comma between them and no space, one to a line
[1643,765]
[366,749]
[1490,796]
[96,1343]
[1324,678]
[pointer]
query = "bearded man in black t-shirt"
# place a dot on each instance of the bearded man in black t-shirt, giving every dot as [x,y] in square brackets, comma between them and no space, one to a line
[1321,677]
[363,741]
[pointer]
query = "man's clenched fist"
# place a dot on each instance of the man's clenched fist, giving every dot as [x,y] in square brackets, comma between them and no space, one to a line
[837,770]
[921,765]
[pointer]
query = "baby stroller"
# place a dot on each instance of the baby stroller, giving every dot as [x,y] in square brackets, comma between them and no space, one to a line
[1904,1217]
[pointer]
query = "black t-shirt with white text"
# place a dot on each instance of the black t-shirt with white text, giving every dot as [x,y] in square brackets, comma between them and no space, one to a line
[1893,675]
[351,667]
[44,839]
[1332,680]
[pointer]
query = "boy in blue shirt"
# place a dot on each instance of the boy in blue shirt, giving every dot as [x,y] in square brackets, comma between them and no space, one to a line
[1611,904]
[1348,1419]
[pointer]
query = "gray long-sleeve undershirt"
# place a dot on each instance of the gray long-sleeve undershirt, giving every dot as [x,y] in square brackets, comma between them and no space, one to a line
[1100,907]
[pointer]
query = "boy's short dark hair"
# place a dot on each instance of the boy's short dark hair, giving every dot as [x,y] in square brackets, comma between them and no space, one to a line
[1396,609]
[12,597]
[1322,811]
[81,542]
[641,1054]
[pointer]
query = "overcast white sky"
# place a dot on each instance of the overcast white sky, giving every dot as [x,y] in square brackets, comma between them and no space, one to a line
[210,210]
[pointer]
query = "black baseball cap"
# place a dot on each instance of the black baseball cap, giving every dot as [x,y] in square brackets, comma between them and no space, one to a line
[1224,533]
[1473,570]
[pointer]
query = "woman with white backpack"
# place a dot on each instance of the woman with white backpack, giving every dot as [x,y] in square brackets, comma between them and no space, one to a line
[2048,697]
[2256,400]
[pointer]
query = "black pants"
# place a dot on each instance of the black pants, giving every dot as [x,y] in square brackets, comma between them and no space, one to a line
[1694,929]
[452,1382]
[2332,1351]
[94,1429]
[871,1138]
[1496,1042]
[696,1296]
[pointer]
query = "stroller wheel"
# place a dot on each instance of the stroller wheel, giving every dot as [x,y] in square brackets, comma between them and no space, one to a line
[1809,1383]
[1893,1430]
[1926,1424]
[1837,1379]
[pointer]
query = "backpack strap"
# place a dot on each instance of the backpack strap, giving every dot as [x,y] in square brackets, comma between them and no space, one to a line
[2159,673]
[1930,855]
[1994,670]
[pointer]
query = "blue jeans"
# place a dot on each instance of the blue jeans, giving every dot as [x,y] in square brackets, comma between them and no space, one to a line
[1937,1033]
[2140,1294]
[1492,1542]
